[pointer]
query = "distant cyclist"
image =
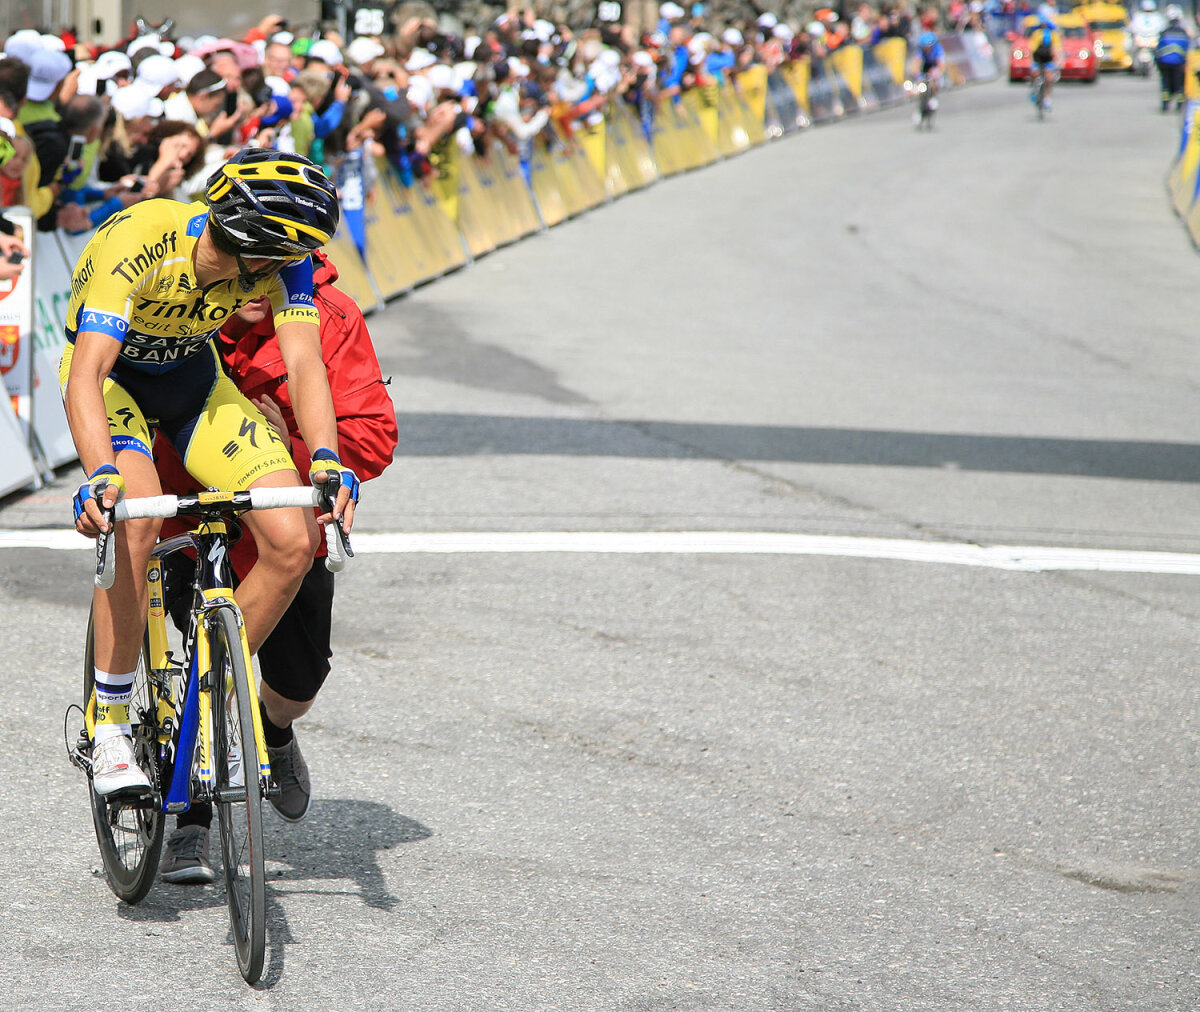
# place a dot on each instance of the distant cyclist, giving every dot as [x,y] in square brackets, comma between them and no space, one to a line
[1046,51]
[1171,58]
[931,58]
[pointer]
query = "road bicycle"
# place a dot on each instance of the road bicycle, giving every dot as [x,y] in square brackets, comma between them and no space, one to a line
[1038,92]
[927,103]
[197,730]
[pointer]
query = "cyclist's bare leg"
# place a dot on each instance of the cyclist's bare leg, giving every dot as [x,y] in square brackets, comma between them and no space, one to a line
[286,541]
[120,613]
[280,709]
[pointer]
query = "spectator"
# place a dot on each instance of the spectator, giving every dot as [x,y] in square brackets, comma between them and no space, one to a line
[39,113]
[277,61]
[200,103]
[12,188]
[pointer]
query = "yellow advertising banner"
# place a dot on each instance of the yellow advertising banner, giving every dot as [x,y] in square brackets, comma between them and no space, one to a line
[848,62]
[893,54]
[796,74]
[550,200]
[473,216]
[399,213]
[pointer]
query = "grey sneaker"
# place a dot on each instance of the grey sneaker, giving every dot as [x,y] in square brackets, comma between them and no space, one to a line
[185,859]
[291,774]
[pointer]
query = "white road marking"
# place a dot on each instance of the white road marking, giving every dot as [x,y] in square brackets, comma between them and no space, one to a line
[1023,558]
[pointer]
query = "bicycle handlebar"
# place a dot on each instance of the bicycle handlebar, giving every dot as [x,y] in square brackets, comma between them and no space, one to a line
[337,543]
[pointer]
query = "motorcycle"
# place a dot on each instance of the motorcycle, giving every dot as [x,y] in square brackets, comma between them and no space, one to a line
[1143,55]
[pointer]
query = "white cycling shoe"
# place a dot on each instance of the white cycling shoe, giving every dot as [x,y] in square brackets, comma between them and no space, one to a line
[115,769]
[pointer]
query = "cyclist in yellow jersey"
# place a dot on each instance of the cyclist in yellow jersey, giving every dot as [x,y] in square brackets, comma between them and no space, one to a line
[148,292]
[1045,53]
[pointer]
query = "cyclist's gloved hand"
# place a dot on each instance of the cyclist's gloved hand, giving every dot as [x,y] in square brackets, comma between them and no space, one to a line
[95,487]
[338,476]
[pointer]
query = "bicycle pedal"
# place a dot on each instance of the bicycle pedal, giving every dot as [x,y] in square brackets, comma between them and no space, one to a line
[131,797]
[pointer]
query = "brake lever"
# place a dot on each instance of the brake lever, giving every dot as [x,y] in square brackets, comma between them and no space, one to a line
[106,572]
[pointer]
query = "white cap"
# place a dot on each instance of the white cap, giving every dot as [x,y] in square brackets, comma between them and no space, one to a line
[187,67]
[24,44]
[518,68]
[157,72]
[767,20]
[671,11]
[87,83]
[420,59]
[326,52]
[277,85]
[732,37]
[443,78]
[46,69]
[420,91]
[543,30]
[815,29]
[136,101]
[54,43]
[642,59]
[470,44]
[364,50]
[783,32]
[110,64]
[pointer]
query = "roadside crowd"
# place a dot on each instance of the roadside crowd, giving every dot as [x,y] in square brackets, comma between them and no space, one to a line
[95,131]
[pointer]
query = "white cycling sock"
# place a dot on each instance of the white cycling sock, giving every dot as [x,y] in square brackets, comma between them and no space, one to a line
[113,696]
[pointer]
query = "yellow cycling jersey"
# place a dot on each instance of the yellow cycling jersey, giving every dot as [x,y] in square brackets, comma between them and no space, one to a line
[135,281]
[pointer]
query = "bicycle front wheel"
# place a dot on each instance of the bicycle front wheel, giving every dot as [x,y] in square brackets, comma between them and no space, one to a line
[130,838]
[238,791]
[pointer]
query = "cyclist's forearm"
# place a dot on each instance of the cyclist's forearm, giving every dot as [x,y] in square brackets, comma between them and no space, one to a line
[313,407]
[308,384]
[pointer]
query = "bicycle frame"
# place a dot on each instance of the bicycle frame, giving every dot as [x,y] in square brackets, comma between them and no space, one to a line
[213,591]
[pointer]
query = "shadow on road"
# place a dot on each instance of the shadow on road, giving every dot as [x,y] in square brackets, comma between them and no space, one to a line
[449,435]
[338,842]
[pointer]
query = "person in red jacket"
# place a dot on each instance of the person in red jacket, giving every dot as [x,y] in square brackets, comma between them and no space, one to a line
[294,660]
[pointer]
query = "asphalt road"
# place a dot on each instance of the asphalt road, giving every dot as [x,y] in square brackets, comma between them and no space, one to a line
[728,782]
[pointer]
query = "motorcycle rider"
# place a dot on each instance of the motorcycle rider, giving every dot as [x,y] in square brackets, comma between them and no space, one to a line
[1145,25]
[1147,20]
[1171,57]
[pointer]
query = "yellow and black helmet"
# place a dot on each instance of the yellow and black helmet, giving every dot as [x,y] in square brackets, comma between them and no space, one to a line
[267,203]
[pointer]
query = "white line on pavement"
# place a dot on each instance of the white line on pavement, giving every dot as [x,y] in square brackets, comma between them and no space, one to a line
[1011,557]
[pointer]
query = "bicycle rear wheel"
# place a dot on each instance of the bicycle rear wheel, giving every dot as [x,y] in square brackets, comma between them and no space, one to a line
[239,809]
[130,838]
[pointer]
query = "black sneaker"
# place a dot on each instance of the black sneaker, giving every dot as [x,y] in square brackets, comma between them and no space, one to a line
[185,860]
[291,774]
